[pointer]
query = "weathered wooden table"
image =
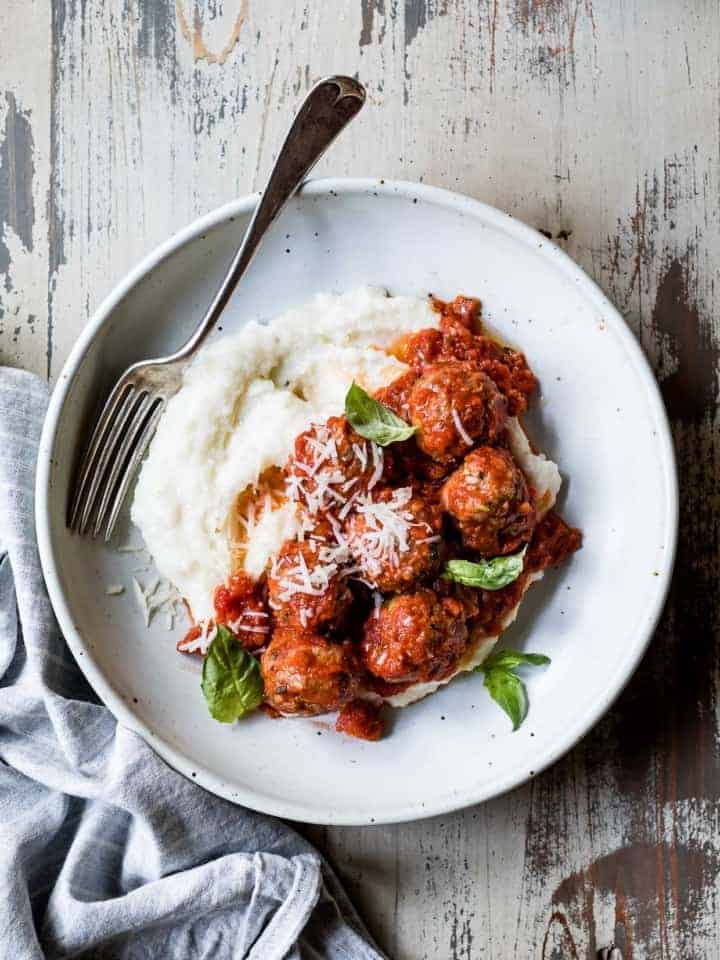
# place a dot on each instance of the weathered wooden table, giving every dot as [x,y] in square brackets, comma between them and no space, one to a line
[594,120]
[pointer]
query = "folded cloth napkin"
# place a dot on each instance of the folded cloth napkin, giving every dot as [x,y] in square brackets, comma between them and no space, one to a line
[104,850]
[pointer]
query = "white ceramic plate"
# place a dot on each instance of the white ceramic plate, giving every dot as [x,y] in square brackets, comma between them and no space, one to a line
[600,417]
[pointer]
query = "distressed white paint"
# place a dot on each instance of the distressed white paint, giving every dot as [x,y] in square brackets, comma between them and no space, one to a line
[25,83]
[597,118]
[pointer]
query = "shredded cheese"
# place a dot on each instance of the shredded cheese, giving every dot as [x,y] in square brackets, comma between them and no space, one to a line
[298,578]
[321,484]
[460,428]
[378,465]
[386,531]
[159,596]
[201,643]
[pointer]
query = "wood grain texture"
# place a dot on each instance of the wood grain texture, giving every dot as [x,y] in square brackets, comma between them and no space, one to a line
[594,120]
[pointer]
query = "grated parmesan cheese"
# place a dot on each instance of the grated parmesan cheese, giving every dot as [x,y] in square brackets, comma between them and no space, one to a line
[159,597]
[201,643]
[460,428]
[386,534]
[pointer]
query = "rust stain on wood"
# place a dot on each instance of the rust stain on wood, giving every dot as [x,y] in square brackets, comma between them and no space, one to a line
[194,34]
[640,873]
[558,942]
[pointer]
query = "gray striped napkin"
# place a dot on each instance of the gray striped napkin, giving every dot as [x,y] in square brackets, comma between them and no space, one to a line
[105,851]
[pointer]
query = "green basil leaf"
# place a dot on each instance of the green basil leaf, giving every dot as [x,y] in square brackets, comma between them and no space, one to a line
[508,691]
[491,574]
[509,659]
[373,420]
[231,679]
[503,684]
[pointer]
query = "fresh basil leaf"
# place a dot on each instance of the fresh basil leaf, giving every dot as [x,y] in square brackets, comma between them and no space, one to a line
[491,574]
[508,691]
[509,659]
[373,420]
[231,679]
[504,685]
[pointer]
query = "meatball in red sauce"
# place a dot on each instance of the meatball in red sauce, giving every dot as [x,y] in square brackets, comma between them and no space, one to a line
[489,500]
[454,405]
[298,594]
[330,462]
[415,637]
[395,539]
[306,674]
[460,337]
[397,393]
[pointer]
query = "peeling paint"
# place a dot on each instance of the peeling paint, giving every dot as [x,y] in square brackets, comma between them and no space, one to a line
[156,37]
[553,26]
[689,363]
[368,10]
[17,209]
[418,13]
[627,874]
[55,209]
[558,942]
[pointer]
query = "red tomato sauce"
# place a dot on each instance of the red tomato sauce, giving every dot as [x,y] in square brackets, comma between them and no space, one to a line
[361,719]
[240,606]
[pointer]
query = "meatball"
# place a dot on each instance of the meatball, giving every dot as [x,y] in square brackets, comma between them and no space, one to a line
[462,339]
[305,587]
[361,719]
[397,393]
[454,405]
[395,538]
[489,500]
[330,463]
[306,674]
[415,637]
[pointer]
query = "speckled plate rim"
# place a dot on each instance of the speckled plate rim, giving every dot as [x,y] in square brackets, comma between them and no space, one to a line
[580,725]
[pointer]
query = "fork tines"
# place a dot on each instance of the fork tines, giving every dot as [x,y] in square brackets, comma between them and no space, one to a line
[116,447]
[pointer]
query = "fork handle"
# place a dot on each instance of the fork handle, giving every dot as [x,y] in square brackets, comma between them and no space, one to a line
[328,108]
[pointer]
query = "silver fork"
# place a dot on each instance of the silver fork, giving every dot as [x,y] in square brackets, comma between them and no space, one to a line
[133,408]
